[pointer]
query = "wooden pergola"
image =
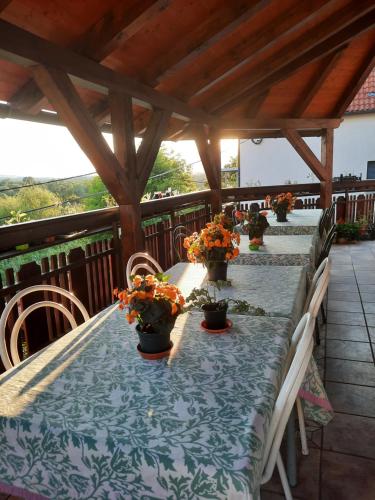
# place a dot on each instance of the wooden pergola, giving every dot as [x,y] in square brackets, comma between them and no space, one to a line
[177,69]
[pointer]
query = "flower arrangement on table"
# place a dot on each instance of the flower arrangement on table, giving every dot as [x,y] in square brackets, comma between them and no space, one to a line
[281,205]
[254,224]
[224,220]
[154,304]
[213,247]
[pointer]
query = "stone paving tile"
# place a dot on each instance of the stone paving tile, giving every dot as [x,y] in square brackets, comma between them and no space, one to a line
[342,318]
[364,267]
[368,297]
[347,332]
[347,273]
[351,296]
[370,318]
[345,477]
[338,278]
[365,278]
[369,307]
[350,434]
[350,372]
[343,287]
[344,349]
[353,399]
[366,288]
[345,306]
[371,331]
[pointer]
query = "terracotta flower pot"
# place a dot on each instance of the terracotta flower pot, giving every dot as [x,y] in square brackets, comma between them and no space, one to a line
[217,270]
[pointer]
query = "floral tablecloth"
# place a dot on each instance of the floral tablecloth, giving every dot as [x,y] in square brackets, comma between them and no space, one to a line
[279,290]
[88,418]
[300,221]
[291,250]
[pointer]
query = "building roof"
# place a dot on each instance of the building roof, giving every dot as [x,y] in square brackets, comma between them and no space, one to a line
[364,101]
[248,59]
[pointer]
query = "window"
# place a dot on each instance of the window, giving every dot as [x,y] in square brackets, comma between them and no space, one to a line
[371,170]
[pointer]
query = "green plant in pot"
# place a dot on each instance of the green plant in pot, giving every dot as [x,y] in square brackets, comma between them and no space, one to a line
[213,247]
[215,310]
[347,232]
[154,304]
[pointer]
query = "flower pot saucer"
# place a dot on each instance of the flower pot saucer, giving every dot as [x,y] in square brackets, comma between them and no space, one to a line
[228,326]
[155,355]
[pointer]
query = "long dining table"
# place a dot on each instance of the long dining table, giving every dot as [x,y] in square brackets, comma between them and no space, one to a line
[87,417]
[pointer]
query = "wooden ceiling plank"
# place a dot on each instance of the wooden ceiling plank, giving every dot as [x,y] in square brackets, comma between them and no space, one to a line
[334,33]
[31,48]
[356,83]
[118,24]
[305,152]
[264,40]
[150,145]
[4,4]
[315,85]
[61,93]
[254,104]
[162,74]
[277,123]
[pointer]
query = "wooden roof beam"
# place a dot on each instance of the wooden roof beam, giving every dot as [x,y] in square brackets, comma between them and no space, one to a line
[315,85]
[117,25]
[331,35]
[165,71]
[26,48]
[264,124]
[60,91]
[356,83]
[305,152]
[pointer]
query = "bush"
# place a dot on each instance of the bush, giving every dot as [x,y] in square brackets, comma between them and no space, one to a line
[348,231]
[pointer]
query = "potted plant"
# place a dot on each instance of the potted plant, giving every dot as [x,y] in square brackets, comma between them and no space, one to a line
[154,304]
[281,205]
[347,232]
[215,310]
[214,246]
[363,227]
[224,220]
[253,223]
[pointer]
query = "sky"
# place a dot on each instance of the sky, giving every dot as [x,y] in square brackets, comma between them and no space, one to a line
[38,150]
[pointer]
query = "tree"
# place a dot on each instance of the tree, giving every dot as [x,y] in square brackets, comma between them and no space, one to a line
[170,171]
[98,194]
[229,179]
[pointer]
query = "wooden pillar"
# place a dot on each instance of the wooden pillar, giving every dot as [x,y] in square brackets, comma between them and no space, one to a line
[131,234]
[216,195]
[327,162]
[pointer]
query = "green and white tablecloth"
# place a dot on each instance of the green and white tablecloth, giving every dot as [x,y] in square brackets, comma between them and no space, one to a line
[279,290]
[88,418]
[291,250]
[300,221]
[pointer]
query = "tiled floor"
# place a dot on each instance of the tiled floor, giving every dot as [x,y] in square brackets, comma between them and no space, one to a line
[341,463]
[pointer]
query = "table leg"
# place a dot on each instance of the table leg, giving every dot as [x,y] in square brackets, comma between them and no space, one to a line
[291,449]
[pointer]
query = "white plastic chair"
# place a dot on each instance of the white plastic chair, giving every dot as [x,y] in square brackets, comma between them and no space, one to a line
[13,359]
[303,339]
[318,288]
[130,271]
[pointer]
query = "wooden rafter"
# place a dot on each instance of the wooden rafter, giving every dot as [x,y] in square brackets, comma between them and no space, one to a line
[315,85]
[150,145]
[60,91]
[4,4]
[332,34]
[277,123]
[207,156]
[254,104]
[25,48]
[305,152]
[165,70]
[355,84]
[118,24]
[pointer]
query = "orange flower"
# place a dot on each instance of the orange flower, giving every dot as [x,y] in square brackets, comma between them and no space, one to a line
[137,280]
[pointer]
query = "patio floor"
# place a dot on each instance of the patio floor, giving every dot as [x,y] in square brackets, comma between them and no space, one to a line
[341,463]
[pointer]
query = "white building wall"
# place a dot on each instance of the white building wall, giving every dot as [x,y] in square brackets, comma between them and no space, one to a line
[275,161]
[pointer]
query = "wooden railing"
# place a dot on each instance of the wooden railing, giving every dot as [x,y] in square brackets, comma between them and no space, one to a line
[93,269]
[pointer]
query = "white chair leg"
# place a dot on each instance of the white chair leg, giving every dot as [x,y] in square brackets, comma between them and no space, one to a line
[283,477]
[302,429]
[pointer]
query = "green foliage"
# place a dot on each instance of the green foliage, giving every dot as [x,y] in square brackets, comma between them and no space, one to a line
[201,296]
[348,231]
[229,179]
[96,187]
[17,217]
[177,174]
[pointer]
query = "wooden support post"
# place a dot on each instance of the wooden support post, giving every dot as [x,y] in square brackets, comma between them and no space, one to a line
[131,234]
[327,161]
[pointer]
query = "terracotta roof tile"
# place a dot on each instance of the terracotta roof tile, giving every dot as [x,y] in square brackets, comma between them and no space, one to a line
[365,99]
